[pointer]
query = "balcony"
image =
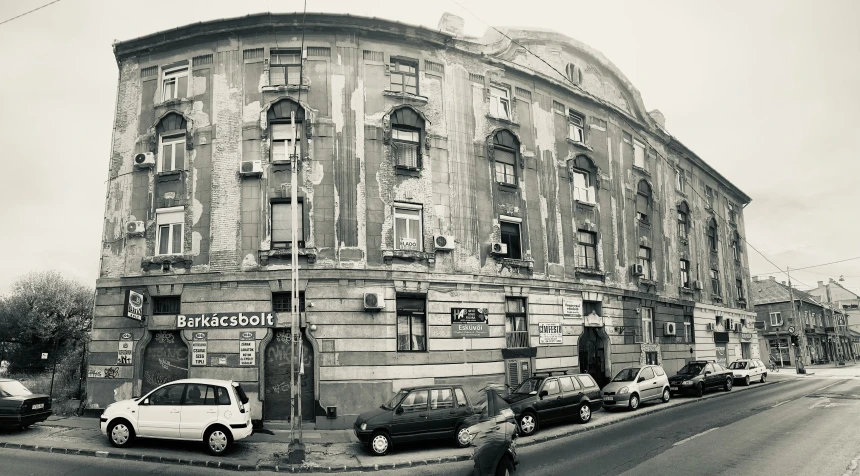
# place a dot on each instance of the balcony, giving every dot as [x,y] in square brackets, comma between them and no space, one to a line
[517,339]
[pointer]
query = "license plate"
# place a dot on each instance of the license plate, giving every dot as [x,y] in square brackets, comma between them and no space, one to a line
[674,388]
[608,399]
[38,406]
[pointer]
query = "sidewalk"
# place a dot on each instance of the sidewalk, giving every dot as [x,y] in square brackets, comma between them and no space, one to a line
[327,451]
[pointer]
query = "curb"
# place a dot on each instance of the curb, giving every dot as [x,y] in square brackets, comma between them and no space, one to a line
[288,468]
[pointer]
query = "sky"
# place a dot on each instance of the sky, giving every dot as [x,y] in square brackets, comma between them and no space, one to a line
[766,92]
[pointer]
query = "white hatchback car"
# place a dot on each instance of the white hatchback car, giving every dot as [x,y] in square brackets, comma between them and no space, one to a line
[213,411]
[748,370]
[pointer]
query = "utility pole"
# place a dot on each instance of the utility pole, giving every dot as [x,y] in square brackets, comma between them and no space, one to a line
[296,448]
[798,351]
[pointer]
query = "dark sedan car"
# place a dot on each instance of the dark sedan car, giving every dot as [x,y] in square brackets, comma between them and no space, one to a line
[542,399]
[19,407]
[700,375]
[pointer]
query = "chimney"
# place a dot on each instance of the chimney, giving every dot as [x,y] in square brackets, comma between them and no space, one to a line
[450,23]
[820,283]
[658,117]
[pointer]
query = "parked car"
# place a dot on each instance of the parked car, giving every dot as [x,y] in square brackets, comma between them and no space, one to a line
[748,370]
[417,413]
[19,407]
[700,375]
[494,434]
[215,412]
[542,399]
[634,385]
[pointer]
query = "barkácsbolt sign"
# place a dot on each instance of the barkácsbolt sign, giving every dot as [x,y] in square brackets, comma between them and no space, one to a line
[469,322]
[226,319]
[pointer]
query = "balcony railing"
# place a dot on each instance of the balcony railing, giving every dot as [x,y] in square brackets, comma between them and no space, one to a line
[517,339]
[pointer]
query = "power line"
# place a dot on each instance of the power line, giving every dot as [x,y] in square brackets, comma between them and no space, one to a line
[31,11]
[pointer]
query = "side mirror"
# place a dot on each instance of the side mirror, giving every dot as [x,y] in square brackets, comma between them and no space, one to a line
[399,410]
[543,393]
[146,402]
[641,379]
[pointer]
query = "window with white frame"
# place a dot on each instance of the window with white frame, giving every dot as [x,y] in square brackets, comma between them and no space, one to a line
[172,152]
[169,225]
[407,227]
[643,202]
[404,75]
[680,180]
[407,144]
[775,319]
[505,164]
[688,329]
[174,83]
[685,274]
[575,126]
[586,249]
[282,224]
[644,261]
[285,67]
[500,102]
[638,154]
[647,325]
[286,142]
[583,183]
[683,220]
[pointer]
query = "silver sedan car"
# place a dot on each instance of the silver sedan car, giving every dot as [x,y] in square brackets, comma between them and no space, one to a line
[634,385]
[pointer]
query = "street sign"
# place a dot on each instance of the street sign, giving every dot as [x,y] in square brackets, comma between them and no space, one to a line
[791,329]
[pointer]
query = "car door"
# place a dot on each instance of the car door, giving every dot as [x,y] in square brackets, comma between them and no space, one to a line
[648,386]
[549,405]
[756,369]
[571,395]
[443,417]
[159,414]
[661,378]
[410,417]
[464,407]
[200,409]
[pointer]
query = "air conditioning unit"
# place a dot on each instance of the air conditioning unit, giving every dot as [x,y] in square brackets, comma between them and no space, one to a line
[251,167]
[498,248]
[444,242]
[135,228]
[636,269]
[698,285]
[144,160]
[374,301]
[670,329]
[710,326]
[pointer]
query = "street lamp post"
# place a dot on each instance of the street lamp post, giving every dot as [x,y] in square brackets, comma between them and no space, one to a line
[296,448]
[798,351]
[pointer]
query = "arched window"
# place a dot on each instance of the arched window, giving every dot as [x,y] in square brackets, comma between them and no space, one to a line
[643,201]
[407,135]
[683,220]
[171,142]
[583,173]
[506,149]
[712,235]
[286,143]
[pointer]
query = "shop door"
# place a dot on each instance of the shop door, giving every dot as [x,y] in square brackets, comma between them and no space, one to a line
[278,358]
[745,351]
[164,360]
[592,357]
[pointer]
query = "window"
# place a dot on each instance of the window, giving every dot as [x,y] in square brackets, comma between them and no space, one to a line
[500,102]
[643,202]
[172,156]
[286,142]
[583,186]
[516,323]
[647,325]
[406,146]
[415,402]
[587,381]
[683,220]
[198,394]
[688,329]
[647,373]
[441,398]
[165,305]
[645,261]
[170,395]
[715,282]
[626,146]
[170,223]
[739,287]
[174,83]
[411,324]
[638,154]
[712,236]
[404,75]
[575,127]
[222,396]
[659,371]
[282,224]
[551,387]
[461,397]
[680,180]
[505,167]
[407,227]
[709,197]
[510,235]
[569,384]
[586,249]
[285,67]
[283,302]
[736,246]
[574,74]
[733,213]
[685,274]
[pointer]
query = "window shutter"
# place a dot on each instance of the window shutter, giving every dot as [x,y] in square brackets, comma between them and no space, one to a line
[512,374]
[526,369]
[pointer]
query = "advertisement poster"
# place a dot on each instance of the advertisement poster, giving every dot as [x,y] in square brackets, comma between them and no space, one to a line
[469,322]
[133,305]
[572,307]
[248,348]
[124,355]
[198,349]
[550,333]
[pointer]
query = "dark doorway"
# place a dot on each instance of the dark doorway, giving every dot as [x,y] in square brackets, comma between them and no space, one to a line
[277,398]
[164,360]
[592,355]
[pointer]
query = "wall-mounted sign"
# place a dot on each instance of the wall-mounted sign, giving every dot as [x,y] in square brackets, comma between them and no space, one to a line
[550,333]
[227,319]
[408,244]
[248,348]
[746,335]
[593,320]
[125,353]
[469,322]
[572,307]
[44,356]
[198,349]
[133,305]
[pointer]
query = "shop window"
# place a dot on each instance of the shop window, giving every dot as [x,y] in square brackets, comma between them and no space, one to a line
[643,202]
[411,324]
[170,223]
[586,249]
[644,260]
[285,67]
[174,83]
[165,305]
[510,235]
[283,302]
[683,220]
[282,224]
[500,102]
[575,126]
[404,75]
[407,227]
[516,323]
[685,273]
[647,325]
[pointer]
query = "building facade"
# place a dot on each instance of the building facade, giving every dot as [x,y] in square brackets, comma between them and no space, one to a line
[468,214]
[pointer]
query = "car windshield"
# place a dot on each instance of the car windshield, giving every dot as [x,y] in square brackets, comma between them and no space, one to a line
[13,389]
[738,365]
[529,385]
[691,369]
[626,375]
[395,400]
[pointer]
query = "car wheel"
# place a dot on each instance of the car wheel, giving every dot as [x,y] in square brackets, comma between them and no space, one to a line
[763,377]
[666,395]
[528,424]
[120,433]
[634,402]
[747,381]
[728,385]
[463,437]
[380,443]
[700,390]
[584,413]
[217,441]
[505,467]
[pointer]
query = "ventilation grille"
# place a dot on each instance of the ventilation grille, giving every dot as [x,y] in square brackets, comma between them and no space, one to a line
[373,56]
[478,78]
[523,92]
[151,71]
[201,60]
[434,67]
[319,52]
[557,106]
[512,374]
[255,53]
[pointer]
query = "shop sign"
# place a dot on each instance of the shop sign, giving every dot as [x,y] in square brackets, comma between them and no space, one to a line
[198,349]
[125,353]
[550,333]
[572,307]
[248,348]
[746,335]
[133,305]
[469,322]
[227,319]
